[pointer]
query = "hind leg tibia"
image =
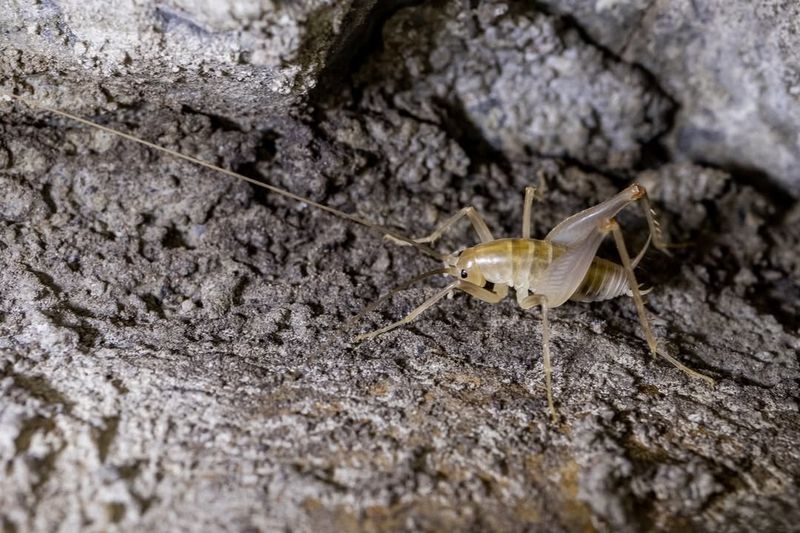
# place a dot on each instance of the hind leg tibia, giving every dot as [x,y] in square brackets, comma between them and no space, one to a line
[636,293]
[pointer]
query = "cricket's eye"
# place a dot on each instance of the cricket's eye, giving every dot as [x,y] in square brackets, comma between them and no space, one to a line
[464,273]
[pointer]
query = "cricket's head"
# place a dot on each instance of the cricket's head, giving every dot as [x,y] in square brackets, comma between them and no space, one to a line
[463,265]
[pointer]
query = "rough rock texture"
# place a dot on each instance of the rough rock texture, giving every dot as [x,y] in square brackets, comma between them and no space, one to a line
[172,353]
[523,82]
[733,68]
[243,60]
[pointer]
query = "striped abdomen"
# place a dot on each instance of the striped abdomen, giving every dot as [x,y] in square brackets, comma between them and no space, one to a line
[520,263]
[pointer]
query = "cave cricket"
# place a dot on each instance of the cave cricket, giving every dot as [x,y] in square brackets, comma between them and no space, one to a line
[543,273]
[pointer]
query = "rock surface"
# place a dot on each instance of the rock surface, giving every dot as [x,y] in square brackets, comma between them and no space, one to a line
[172,353]
[523,82]
[733,68]
[242,60]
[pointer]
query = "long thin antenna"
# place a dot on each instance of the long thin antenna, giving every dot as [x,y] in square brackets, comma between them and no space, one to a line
[347,216]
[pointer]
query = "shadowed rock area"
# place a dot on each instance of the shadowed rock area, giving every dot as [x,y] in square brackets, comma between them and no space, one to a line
[173,352]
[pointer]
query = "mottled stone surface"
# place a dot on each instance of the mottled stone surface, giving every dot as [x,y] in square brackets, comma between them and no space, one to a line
[242,60]
[523,82]
[732,67]
[172,344]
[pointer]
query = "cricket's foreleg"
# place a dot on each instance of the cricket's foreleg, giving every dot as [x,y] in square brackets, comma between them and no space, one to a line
[478,225]
[644,320]
[485,295]
[403,286]
[471,289]
[410,316]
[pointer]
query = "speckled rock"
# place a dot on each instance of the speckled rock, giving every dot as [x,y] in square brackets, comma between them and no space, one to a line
[173,350]
[732,67]
[521,81]
[242,60]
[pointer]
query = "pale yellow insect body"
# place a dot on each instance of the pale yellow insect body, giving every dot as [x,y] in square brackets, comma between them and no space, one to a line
[521,263]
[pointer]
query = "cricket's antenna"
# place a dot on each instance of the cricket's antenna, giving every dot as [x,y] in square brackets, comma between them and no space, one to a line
[430,252]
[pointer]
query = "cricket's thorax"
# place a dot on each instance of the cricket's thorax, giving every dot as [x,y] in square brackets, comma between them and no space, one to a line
[520,263]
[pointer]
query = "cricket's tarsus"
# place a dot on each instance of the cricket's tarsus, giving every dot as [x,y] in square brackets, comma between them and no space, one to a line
[544,273]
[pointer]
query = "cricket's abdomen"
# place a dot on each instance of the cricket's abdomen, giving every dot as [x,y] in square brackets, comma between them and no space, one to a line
[520,263]
[604,280]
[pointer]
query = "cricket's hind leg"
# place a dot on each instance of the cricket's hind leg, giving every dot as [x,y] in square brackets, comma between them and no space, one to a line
[581,225]
[644,320]
[659,243]
[530,196]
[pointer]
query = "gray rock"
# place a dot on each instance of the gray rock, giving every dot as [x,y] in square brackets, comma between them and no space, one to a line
[522,82]
[241,60]
[733,68]
[172,353]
